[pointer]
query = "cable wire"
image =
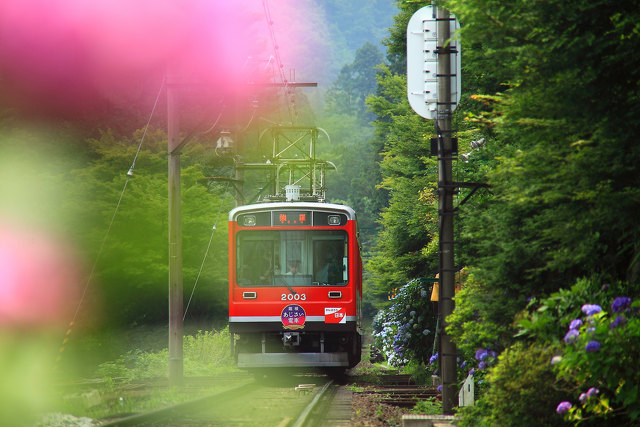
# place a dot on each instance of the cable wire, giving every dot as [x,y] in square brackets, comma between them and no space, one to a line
[144,133]
[106,236]
[213,230]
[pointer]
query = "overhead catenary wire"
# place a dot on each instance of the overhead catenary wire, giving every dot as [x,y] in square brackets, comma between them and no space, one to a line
[276,48]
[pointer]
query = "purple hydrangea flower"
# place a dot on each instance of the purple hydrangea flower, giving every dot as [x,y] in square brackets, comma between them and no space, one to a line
[592,392]
[563,407]
[481,354]
[591,309]
[433,359]
[463,364]
[472,371]
[592,346]
[491,353]
[575,324]
[439,388]
[620,304]
[571,336]
[482,365]
[618,321]
[583,397]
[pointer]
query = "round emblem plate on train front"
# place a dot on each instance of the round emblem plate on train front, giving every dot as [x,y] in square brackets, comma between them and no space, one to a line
[293,317]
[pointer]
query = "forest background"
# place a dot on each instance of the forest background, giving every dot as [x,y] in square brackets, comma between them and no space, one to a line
[548,119]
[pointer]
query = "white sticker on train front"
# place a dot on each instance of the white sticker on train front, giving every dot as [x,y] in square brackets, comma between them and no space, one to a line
[335,315]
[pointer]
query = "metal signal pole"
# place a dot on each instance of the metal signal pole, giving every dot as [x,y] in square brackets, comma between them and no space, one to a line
[446,189]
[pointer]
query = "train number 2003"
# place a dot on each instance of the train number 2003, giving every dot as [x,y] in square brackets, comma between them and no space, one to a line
[293,297]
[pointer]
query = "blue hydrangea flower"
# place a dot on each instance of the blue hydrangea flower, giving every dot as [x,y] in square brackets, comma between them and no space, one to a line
[439,388]
[472,371]
[481,354]
[618,321]
[575,324]
[592,392]
[571,336]
[563,407]
[491,353]
[482,365]
[620,304]
[592,346]
[433,359]
[591,309]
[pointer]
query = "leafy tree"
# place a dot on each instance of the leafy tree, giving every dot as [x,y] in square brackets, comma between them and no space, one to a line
[354,83]
[130,281]
[347,121]
[561,177]
[403,249]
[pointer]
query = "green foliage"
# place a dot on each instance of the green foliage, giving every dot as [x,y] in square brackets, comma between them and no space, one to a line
[558,156]
[546,320]
[408,174]
[481,318]
[207,351]
[396,41]
[346,120]
[354,83]
[204,353]
[599,360]
[131,272]
[420,374]
[523,389]
[428,407]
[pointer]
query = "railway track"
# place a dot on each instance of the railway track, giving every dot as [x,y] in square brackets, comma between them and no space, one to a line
[394,390]
[282,401]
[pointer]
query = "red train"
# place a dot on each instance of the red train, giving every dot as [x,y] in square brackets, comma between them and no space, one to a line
[295,285]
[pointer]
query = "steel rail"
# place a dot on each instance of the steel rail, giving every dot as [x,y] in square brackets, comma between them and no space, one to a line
[177,410]
[302,419]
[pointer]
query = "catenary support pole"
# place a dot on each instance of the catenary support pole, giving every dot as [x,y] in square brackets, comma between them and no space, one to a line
[175,238]
[445,205]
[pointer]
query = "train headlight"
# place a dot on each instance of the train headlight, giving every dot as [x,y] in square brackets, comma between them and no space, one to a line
[334,220]
[249,221]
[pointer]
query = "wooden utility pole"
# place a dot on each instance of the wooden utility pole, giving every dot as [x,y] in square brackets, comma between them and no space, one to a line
[446,189]
[176,374]
[175,145]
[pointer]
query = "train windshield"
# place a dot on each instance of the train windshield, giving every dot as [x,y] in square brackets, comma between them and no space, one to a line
[292,258]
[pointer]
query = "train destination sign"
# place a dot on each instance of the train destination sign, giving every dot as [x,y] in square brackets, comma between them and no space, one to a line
[291,218]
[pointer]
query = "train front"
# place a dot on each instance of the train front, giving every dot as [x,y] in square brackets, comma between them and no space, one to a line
[295,285]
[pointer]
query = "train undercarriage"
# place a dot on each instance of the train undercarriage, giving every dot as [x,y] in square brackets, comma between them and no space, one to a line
[298,349]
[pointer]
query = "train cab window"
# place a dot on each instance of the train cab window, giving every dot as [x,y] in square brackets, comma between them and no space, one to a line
[329,260]
[292,258]
[256,262]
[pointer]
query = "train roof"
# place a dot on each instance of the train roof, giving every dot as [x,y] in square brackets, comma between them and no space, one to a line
[315,206]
